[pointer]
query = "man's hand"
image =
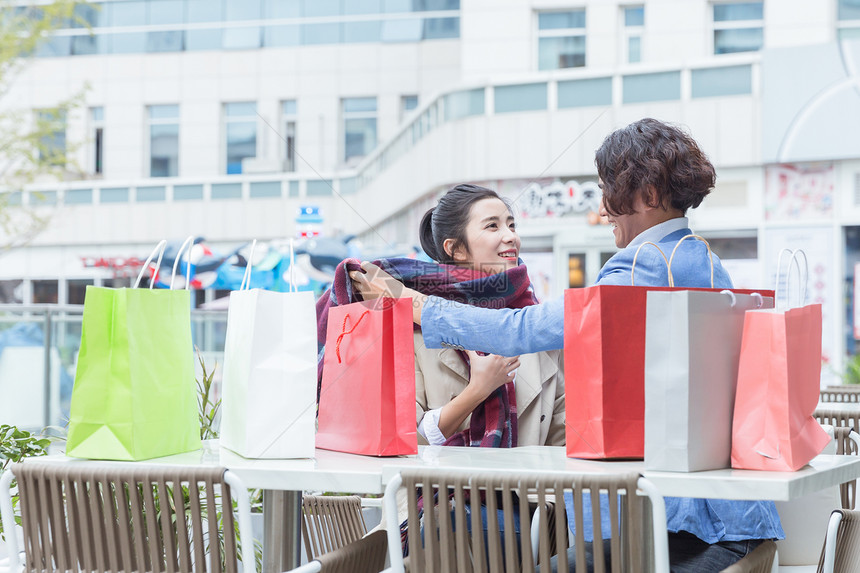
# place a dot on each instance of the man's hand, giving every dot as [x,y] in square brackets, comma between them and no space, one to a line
[372,283]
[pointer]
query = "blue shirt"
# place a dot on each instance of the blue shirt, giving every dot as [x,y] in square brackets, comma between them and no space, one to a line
[510,332]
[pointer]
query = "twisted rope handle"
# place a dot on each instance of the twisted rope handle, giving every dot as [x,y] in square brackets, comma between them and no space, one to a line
[710,253]
[344,332]
[662,254]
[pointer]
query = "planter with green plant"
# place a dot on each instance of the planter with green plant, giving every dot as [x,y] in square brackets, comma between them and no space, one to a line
[15,445]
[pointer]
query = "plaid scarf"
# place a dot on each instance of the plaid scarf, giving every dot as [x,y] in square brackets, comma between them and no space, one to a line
[494,421]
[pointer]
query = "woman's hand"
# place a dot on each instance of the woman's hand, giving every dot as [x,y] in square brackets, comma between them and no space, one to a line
[372,283]
[490,371]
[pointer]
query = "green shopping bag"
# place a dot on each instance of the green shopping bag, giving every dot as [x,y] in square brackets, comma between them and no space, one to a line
[134,396]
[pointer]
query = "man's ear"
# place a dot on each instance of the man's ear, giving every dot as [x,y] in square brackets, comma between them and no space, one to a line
[650,197]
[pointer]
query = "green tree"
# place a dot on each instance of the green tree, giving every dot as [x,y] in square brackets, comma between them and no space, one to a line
[33,144]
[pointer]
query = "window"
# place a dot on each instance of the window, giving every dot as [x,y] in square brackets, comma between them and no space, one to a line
[359,127]
[407,104]
[634,21]
[76,289]
[561,40]
[163,140]
[240,130]
[51,125]
[288,134]
[45,292]
[97,139]
[848,19]
[738,27]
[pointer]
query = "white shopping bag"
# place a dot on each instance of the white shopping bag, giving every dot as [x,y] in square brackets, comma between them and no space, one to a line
[692,348]
[269,386]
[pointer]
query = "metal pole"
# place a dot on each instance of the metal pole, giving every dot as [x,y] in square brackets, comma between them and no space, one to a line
[48,342]
[282,542]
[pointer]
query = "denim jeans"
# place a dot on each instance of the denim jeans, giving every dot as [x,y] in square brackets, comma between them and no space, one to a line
[687,554]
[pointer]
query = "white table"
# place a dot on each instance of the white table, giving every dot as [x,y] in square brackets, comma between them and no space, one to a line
[284,480]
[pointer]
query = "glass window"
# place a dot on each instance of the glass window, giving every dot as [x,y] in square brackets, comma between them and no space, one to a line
[436,5]
[634,16]
[260,189]
[288,134]
[410,30]
[359,127]
[242,10]
[166,12]
[87,45]
[848,10]
[126,13]
[738,40]
[464,103]
[562,52]
[203,39]
[204,11]
[76,289]
[187,192]
[362,7]
[713,82]
[13,198]
[276,36]
[738,27]
[407,104]
[52,143]
[45,292]
[582,93]
[284,8]
[97,139]
[661,86]
[78,196]
[240,129]
[561,20]
[147,194]
[294,189]
[391,6]
[314,8]
[347,186]
[357,32]
[114,195]
[318,187]
[54,47]
[320,34]
[440,28]
[88,16]
[128,43]
[43,198]
[241,38]
[226,190]
[634,21]
[164,41]
[12,292]
[526,97]
[163,140]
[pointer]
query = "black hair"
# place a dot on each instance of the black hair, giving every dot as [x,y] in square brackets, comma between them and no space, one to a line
[651,153]
[449,219]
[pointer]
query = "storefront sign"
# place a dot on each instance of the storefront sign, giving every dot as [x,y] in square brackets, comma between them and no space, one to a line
[559,199]
[115,263]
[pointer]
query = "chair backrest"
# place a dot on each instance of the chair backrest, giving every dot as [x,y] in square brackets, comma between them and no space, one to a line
[840,394]
[330,522]
[107,516]
[848,444]
[459,543]
[842,545]
[837,417]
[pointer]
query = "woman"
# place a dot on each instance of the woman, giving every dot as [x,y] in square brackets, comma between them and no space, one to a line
[471,233]
[651,174]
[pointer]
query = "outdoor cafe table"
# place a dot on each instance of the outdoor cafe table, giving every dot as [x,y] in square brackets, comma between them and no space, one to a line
[284,480]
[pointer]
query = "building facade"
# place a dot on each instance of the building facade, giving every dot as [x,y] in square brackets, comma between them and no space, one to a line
[225,118]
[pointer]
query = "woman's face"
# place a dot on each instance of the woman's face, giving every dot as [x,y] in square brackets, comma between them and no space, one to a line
[491,234]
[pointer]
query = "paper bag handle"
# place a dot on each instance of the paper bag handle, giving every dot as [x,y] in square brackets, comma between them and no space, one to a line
[731,295]
[662,254]
[189,242]
[803,281]
[710,253]
[159,248]
[246,278]
[344,332]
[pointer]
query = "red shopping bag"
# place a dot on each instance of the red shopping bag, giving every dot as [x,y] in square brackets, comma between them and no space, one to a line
[367,394]
[779,377]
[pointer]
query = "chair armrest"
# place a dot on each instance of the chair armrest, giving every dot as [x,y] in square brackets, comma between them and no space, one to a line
[759,560]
